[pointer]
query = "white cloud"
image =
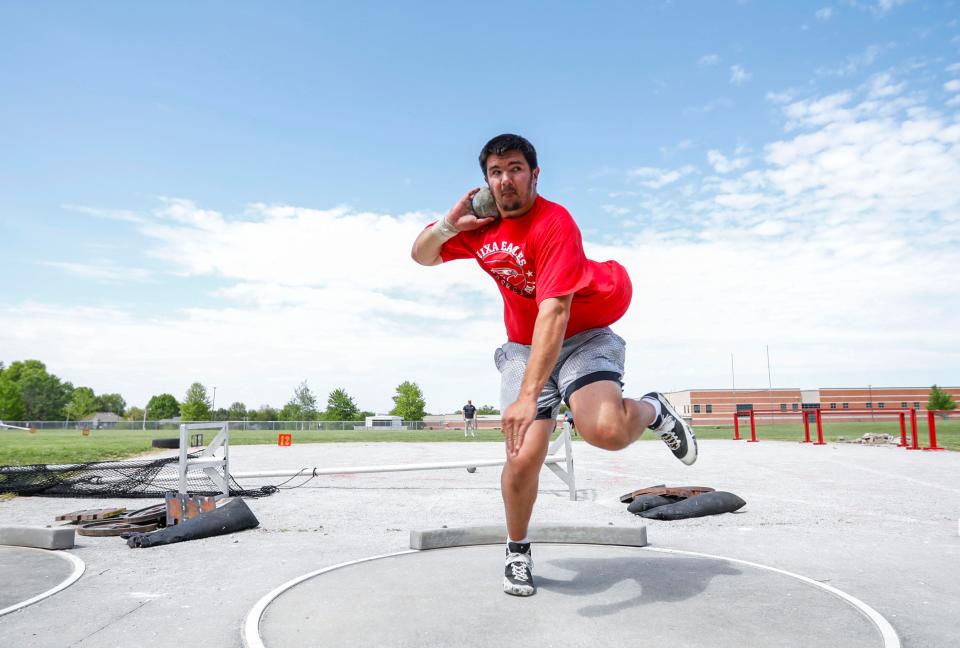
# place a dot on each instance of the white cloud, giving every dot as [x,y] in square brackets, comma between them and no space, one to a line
[709,59]
[824,14]
[723,164]
[102,270]
[884,6]
[110,214]
[616,211]
[682,145]
[952,86]
[878,8]
[843,238]
[854,63]
[781,97]
[328,295]
[882,85]
[741,201]
[738,75]
[656,178]
[710,106]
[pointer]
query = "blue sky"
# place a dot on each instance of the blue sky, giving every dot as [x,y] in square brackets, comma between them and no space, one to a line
[227,192]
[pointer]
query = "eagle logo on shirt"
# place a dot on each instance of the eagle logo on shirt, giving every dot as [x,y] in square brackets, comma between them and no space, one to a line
[505,263]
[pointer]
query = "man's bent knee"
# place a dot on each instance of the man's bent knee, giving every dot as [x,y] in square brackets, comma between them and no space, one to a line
[607,436]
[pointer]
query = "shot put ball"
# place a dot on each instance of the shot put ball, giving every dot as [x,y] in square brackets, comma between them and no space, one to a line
[484,205]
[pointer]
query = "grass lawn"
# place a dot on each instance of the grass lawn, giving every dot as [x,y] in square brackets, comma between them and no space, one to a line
[18,447]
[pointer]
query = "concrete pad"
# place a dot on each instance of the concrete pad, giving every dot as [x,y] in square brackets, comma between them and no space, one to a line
[38,537]
[31,575]
[587,596]
[538,533]
[814,511]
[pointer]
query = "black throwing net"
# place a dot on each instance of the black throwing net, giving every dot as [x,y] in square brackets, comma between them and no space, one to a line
[135,478]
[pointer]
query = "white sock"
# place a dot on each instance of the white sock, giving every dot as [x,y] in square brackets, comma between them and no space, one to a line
[656,406]
[524,541]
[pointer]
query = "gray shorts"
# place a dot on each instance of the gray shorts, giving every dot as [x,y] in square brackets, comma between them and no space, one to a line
[587,357]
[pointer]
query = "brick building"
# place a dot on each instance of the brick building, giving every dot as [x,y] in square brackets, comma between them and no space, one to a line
[716,406]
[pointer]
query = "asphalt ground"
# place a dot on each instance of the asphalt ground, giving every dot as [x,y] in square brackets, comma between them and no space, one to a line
[879,523]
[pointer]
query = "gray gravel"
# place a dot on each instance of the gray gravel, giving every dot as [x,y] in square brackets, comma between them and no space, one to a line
[879,523]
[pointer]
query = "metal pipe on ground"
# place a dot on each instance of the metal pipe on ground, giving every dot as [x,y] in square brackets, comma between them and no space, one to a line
[552,459]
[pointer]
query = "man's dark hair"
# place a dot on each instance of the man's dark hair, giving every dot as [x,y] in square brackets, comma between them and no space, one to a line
[500,144]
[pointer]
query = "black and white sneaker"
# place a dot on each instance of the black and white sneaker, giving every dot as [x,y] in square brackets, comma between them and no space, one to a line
[675,432]
[518,571]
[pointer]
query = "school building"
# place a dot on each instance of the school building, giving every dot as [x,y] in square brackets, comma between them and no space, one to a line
[717,406]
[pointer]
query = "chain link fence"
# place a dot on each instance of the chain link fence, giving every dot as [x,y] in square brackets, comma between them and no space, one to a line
[280,426]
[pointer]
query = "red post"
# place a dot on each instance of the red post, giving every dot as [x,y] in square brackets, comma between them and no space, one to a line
[806,428]
[903,431]
[932,431]
[819,429]
[736,426]
[913,430]
[753,428]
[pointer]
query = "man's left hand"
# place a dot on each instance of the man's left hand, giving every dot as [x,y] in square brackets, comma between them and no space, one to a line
[516,420]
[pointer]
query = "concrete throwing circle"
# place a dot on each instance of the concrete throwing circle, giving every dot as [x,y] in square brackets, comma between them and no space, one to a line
[588,595]
[31,575]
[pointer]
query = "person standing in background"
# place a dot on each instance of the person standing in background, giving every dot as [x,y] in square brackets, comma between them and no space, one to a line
[469,419]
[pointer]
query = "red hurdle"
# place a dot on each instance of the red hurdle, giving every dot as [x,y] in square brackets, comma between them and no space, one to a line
[932,430]
[753,426]
[910,443]
[820,440]
[915,445]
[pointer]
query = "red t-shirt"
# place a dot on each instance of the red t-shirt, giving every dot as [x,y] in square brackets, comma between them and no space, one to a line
[540,255]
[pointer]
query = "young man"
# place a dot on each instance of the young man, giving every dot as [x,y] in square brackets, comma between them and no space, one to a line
[558,306]
[469,419]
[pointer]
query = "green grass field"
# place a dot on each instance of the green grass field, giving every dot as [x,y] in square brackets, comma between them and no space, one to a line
[18,447]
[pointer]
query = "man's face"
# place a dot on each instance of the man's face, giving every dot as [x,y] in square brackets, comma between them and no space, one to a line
[512,182]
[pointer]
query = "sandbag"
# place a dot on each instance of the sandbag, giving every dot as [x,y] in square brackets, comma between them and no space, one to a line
[647,502]
[666,491]
[707,504]
[233,516]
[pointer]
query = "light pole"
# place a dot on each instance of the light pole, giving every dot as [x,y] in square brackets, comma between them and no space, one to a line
[769,385]
[870,390]
[213,404]
[733,384]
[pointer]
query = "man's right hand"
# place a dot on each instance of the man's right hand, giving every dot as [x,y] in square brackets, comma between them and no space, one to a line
[461,215]
[427,246]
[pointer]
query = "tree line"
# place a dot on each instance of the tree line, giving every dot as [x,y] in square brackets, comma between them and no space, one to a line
[28,392]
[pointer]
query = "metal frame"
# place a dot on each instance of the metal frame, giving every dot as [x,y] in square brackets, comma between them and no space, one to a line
[566,474]
[207,461]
